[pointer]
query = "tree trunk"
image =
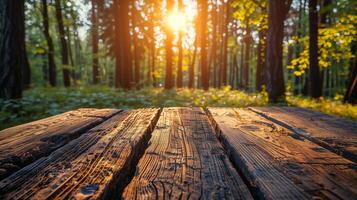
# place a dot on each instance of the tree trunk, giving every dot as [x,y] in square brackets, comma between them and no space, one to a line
[277,12]
[123,57]
[247,44]
[137,47]
[315,85]
[13,57]
[224,56]
[179,77]
[191,75]
[169,82]
[260,73]
[212,60]
[351,92]
[203,6]
[63,44]
[95,61]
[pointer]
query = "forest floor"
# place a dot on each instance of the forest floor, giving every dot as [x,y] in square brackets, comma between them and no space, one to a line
[39,103]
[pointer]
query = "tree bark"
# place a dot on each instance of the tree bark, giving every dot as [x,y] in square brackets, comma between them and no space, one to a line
[203,60]
[247,44]
[63,44]
[123,56]
[277,12]
[191,73]
[212,62]
[260,73]
[169,82]
[13,57]
[351,91]
[224,56]
[315,85]
[95,60]
[137,48]
[180,56]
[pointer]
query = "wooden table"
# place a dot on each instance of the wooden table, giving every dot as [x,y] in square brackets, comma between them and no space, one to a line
[181,153]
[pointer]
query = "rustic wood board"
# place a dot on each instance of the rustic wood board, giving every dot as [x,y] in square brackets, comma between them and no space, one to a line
[91,166]
[185,161]
[279,163]
[337,134]
[26,143]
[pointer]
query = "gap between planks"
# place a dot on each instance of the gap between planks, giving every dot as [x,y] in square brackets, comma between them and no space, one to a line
[185,161]
[96,165]
[276,162]
[333,133]
[24,144]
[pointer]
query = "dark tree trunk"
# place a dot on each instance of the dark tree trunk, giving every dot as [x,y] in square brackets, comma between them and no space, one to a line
[13,59]
[191,71]
[123,57]
[241,69]
[351,92]
[95,61]
[63,44]
[260,73]
[169,82]
[225,45]
[247,44]
[137,47]
[277,12]
[315,84]
[203,60]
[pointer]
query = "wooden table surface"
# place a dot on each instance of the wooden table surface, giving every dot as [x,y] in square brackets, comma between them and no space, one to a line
[181,153]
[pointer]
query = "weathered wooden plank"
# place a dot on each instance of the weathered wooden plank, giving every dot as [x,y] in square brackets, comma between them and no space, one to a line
[336,134]
[280,163]
[26,143]
[91,166]
[185,161]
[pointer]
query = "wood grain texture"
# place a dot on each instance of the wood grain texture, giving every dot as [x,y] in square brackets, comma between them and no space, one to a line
[336,134]
[279,163]
[185,161]
[26,143]
[91,166]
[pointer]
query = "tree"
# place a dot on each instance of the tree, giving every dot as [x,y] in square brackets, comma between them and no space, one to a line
[277,11]
[137,45]
[180,49]
[203,61]
[224,53]
[315,85]
[123,54]
[52,74]
[169,83]
[13,57]
[95,61]
[351,92]
[63,44]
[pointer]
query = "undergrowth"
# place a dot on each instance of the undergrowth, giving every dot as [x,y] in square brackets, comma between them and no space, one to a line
[39,103]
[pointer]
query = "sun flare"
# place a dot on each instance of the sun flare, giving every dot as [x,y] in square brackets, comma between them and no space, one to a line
[176,20]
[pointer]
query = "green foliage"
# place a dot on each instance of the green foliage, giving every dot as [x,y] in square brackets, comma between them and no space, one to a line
[334,44]
[43,102]
[330,106]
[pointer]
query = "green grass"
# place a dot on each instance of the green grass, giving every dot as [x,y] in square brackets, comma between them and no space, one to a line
[39,103]
[329,106]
